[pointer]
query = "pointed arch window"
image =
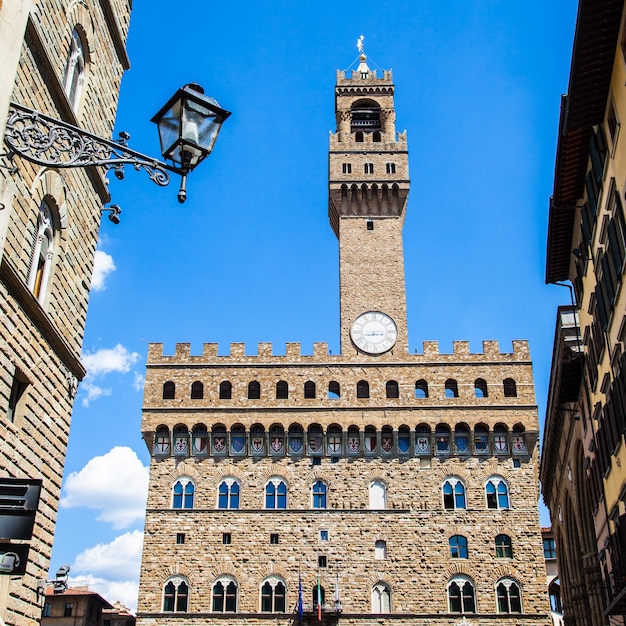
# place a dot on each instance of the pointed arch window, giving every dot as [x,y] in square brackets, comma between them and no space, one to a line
[453,491]
[175,595]
[228,494]
[276,494]
[224,595]
[381,598]
[75,71]
[497,493]
[273,595]
[42,254]
[183,494]
[461,597]
[319,494]
[509,596]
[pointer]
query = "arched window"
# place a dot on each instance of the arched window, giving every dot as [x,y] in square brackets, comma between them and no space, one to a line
[500,439]
[381,598]
[282,390]
[504,547]
[169,390]
[480,388]
[422,439]
[226,390]
[362,389]
[508,595]
[365,116]
[75,71]
[224,595]
[358,137]
[254,390]
[319,596]
[481,439]
[421,389]
[273,595]
[197,390]
[199,440]
[497,493]
[276,494]
[376,137]
[334,391]
[296,439]
[453,494]
[309,389]
[162,441]
[181,440]
[461,595]
[554,589]
[392,389]
[182,494]
[319,495]
[404,440]
[442,438]
[510,388]
[175,595]
[378,495]
[451,388]
[458,547]
[42,254]
[461,439]
[380,550]
[228,494]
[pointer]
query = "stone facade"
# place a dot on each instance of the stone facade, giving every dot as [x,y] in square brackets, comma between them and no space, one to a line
[583,462]
[371,476]
[49,230]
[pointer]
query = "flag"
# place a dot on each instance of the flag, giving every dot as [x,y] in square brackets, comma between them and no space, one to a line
[319,599]
[300,605]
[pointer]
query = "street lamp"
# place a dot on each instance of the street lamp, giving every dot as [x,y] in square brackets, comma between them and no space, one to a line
[188,127]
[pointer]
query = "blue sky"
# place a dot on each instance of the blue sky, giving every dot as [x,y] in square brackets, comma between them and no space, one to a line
[251,257]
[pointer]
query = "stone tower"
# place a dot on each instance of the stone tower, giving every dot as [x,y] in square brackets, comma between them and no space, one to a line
[370,487]
[368,188]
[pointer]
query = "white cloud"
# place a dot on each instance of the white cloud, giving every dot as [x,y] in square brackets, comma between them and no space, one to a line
[139,381]
[126,591]
[107,360]
[93,391]
[103,265]
[116,484]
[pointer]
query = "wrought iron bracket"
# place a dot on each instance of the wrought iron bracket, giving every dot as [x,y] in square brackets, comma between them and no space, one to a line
[49,142]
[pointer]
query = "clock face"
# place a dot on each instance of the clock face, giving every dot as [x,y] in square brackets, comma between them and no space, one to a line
[374,332]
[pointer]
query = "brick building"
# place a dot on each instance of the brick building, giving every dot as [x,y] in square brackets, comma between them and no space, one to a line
[64,58]
[370,485]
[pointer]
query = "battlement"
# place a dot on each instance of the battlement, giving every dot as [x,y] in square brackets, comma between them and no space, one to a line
[293,355]
[372,77]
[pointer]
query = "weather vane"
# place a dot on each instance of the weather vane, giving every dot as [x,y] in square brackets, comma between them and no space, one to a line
[359,44]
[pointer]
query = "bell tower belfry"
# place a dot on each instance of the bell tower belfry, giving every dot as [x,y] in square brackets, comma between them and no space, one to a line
[368,187]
